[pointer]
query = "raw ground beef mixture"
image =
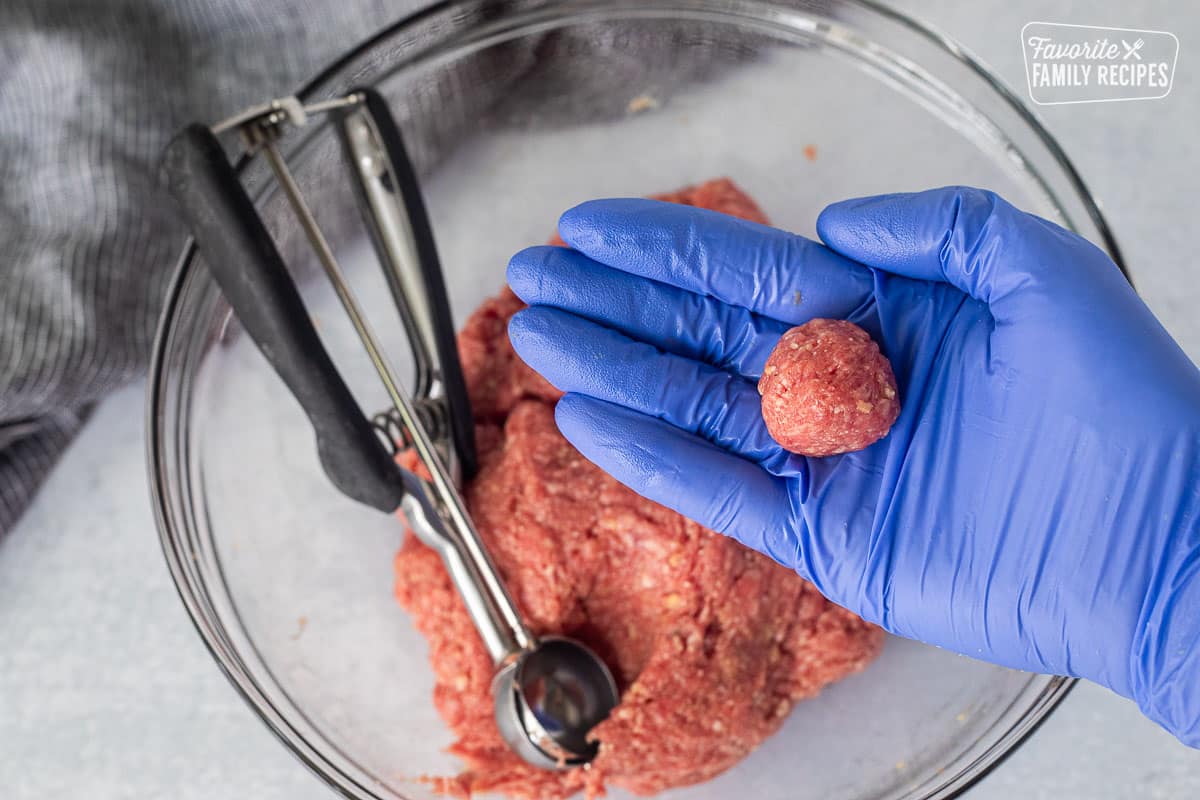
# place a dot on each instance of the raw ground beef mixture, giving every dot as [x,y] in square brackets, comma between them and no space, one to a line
[712,644]
[826,389]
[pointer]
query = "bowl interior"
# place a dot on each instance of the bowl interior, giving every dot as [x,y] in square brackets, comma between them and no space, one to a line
[512,119]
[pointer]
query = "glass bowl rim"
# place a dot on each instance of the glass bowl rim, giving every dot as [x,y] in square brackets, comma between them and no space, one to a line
[1008,742]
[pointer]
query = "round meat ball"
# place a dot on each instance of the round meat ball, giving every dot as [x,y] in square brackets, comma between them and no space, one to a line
[826,389]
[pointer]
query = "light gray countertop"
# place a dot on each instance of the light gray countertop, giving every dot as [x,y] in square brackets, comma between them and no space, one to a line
[107,692]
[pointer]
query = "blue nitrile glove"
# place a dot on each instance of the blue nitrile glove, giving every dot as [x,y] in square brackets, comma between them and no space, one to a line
[1035,505]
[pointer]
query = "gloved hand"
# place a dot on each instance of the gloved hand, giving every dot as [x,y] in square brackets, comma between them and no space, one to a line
[1035,505]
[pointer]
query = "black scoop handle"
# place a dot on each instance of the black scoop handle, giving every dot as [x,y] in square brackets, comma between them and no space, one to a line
[243,259]
[454,384]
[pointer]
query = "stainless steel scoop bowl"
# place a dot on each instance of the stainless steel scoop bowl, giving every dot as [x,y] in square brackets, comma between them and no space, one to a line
[550,693]
[548,700]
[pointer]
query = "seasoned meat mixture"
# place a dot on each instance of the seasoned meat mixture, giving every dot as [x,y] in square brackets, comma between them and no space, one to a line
[712,644]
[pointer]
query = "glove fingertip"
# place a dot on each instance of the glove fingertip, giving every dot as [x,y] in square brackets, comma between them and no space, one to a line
[523,332]
[832,220]
[585,227]
[578,226]
[522,273]
[571,415]
[556,345]
[537,322]
[842,225]
[569,407]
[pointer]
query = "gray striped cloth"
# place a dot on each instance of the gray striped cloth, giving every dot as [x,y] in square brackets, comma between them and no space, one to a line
[90,92]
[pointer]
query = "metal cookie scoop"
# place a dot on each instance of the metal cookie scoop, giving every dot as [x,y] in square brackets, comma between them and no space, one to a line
[549,693]
[550,698]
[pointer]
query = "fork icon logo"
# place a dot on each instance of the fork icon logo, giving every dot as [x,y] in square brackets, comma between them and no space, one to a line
[1132,49]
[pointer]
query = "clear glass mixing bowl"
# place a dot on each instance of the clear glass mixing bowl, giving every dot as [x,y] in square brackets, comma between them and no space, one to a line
[515,111]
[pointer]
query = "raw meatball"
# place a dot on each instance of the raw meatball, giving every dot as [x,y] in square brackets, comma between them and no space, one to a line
[711,643]
[827,389]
